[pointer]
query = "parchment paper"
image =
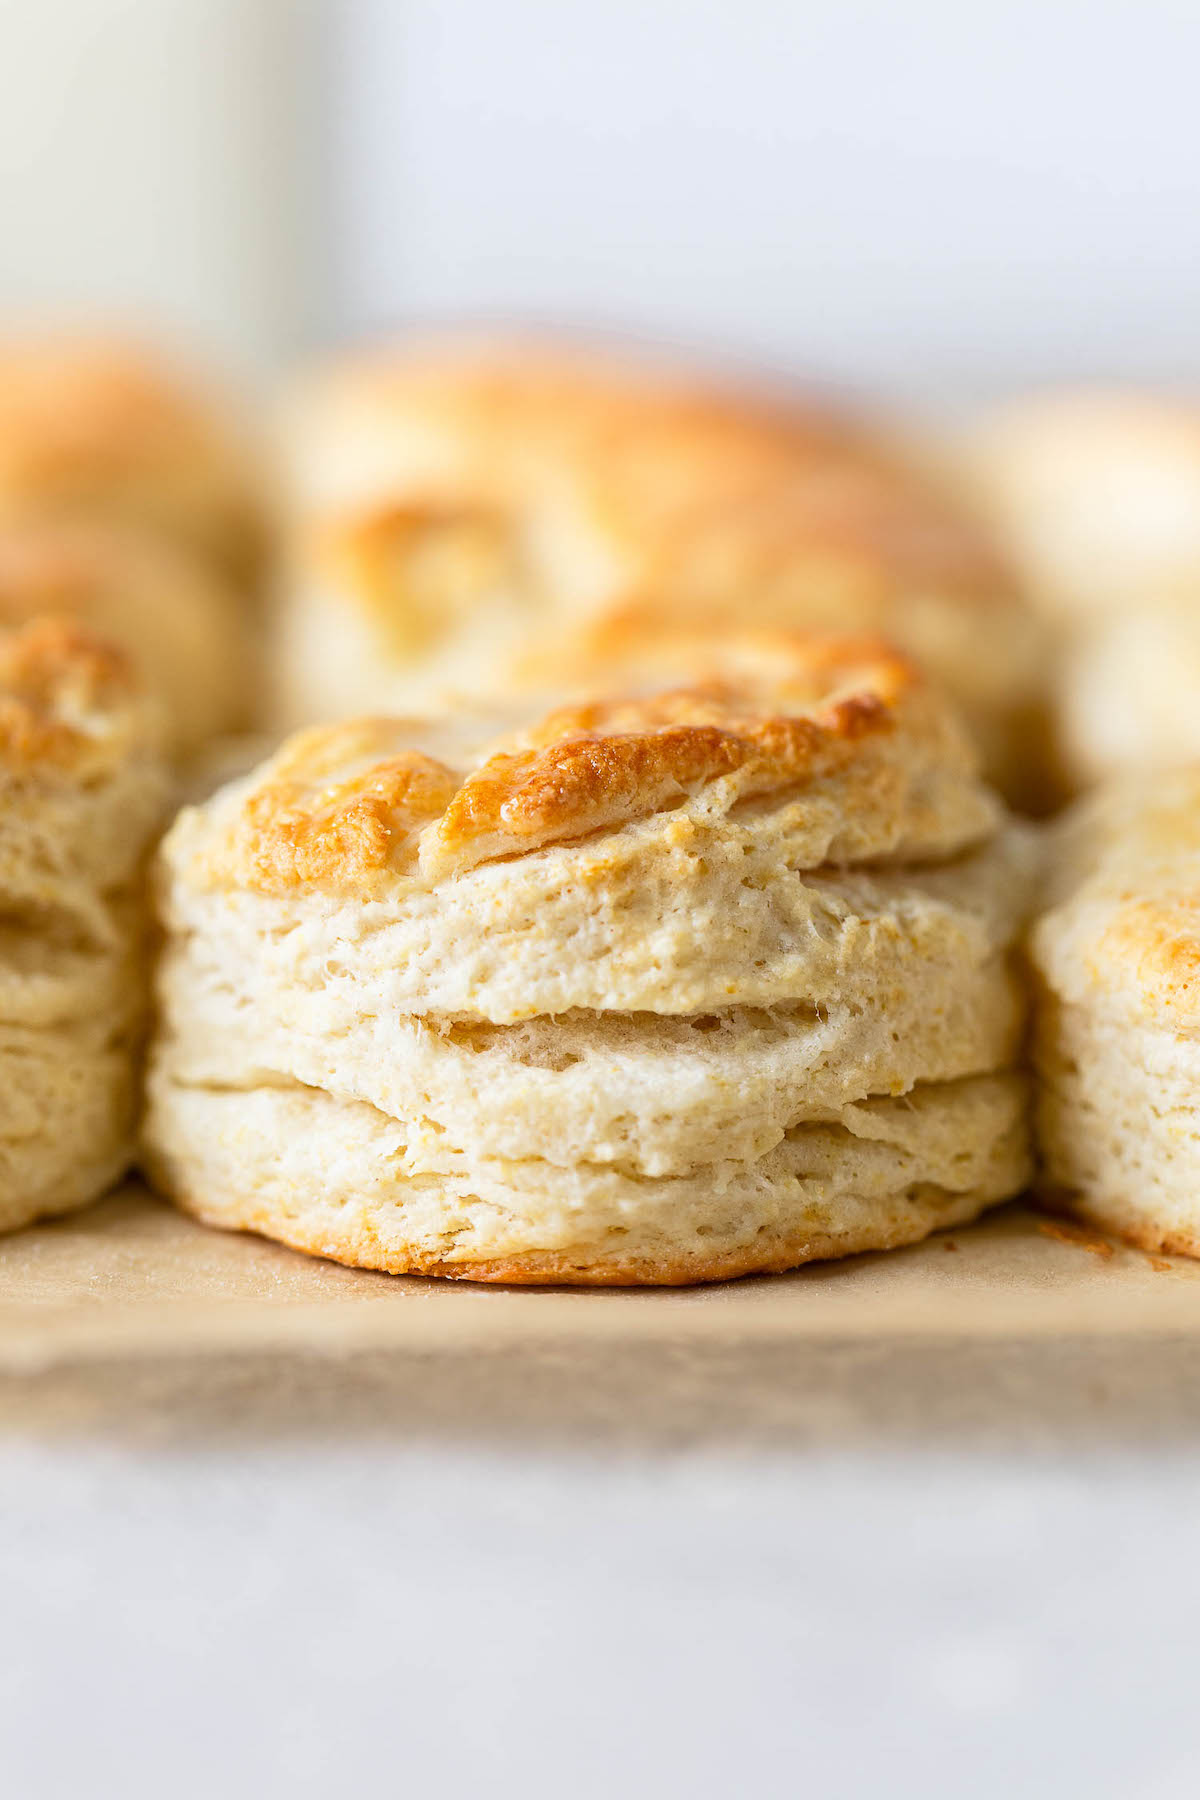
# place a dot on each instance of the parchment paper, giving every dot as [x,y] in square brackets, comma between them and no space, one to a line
[132,1278]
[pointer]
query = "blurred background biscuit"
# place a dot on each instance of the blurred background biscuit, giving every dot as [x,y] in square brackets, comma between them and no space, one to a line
[105,429]
[1096,496]
[472,516]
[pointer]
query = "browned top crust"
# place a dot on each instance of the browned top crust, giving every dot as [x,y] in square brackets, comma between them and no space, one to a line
[65,697]
[339,807]
[180,623]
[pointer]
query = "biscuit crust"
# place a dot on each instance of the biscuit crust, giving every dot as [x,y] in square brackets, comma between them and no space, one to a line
[1118,1021]
[179,625]
[1121,931]
[66,697]
[846,725]
[474,518]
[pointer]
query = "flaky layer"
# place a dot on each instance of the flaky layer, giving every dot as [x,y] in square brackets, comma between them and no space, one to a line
[68,1099]
[328,1176]
[1118,1123]
[82,790]
[1118,1021]
[654,1094]
[699,925]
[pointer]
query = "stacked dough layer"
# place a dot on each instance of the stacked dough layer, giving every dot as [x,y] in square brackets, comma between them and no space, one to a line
[81,792]
[478,518]
[653,989]
[1118,1029]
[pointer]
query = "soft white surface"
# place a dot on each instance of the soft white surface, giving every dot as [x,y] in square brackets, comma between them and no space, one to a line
[150,159]
[383,1618]
[935,195]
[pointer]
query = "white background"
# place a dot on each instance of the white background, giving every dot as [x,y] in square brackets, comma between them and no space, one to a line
[856,1573]
[939,195]
[156,169]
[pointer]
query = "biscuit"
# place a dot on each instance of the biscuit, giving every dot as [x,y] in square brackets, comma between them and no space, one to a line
[179,624]
[1117,1038]
[473,519]
[652,988]
[104,430]
[82,789]
[1096,496]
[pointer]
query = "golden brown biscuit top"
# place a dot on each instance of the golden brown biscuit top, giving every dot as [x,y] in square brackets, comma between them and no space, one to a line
[1124,899]
[341,807]
[67,698]
[706,491]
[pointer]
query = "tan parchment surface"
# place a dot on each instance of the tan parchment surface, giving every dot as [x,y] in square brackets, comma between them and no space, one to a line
[131,1278]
